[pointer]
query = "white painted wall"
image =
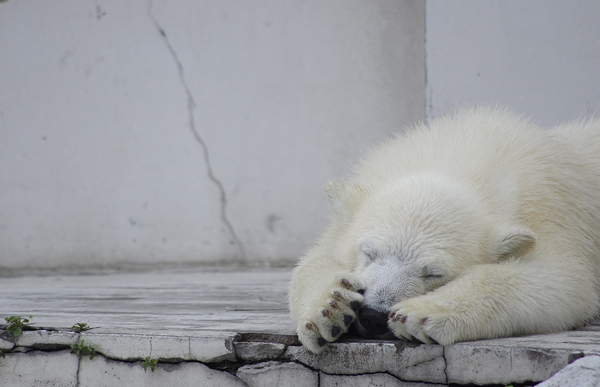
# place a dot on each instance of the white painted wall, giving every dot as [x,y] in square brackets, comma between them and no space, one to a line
[539,57]
[120,146]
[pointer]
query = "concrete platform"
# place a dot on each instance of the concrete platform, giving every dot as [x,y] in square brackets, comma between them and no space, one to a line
[231,328]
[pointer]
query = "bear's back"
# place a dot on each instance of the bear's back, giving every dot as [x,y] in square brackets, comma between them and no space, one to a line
[463,145]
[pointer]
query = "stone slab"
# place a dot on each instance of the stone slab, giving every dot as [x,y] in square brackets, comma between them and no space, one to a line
[278,374]
[47,340]
[38,368]
[406,361]
[6,345]
[206,349]
[517,359]
[584,372]
[256,351]
[102,372]
[375,380]
[483,365]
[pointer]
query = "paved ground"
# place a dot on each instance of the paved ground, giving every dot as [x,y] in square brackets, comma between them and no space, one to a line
[232,328]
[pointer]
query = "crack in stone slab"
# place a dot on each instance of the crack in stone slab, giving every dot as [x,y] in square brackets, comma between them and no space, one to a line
[445,363]
[191,105]
[78,368]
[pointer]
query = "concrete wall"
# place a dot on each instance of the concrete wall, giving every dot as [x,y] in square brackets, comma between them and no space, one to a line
[141,132]
[146,132]
[539,57]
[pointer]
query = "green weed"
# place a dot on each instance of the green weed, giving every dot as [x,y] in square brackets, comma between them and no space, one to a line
[80,348]
[16,324]
[80,327]
[149,363]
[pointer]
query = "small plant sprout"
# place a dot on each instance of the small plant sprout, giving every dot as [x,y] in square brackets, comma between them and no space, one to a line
[16,324]
[80,327]
[1,354]
[80,348]
[149,363]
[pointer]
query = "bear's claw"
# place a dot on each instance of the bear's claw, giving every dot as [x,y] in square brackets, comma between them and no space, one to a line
[423,319]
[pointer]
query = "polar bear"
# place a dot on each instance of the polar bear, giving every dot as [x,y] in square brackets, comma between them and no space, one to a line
[477,225]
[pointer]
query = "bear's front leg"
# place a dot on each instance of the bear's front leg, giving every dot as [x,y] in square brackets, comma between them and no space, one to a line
[430,319]
[324,299]
[500,300]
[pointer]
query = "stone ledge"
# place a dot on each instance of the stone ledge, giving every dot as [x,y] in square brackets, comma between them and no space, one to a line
[393,363]
[207,348]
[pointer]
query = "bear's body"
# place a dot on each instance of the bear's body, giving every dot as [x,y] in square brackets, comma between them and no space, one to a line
[479,225]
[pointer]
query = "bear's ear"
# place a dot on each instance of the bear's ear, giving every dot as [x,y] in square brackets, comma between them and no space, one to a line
[343,198]
[513,241]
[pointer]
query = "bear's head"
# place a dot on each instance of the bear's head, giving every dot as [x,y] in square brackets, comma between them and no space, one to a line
[414,235]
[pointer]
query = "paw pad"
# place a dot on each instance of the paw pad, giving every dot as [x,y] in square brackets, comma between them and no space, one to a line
[335,331]
[347,319]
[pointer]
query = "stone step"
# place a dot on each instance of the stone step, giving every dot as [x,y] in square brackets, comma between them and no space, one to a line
[231,328]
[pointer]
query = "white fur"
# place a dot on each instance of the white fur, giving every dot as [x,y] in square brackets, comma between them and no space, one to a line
[480,225]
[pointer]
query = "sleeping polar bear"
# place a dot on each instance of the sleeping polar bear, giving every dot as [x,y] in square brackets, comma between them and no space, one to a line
[479,225]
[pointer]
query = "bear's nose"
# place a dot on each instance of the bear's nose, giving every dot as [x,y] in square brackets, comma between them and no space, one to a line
[374,322]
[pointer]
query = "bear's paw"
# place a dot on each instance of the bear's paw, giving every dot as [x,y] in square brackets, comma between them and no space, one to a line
[425,319]
[332,315]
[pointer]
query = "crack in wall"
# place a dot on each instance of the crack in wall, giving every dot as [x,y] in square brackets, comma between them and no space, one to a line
[428,92]
[191,106]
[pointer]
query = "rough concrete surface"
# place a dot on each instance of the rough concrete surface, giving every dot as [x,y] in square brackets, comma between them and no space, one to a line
[370,380]
[38,368]
[258,351]
[275,374]
[229,328]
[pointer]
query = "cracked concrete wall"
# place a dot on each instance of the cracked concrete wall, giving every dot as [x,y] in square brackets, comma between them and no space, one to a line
[539,57]
[139,133]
